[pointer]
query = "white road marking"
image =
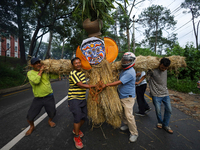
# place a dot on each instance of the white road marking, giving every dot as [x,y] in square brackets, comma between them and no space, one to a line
[22,134]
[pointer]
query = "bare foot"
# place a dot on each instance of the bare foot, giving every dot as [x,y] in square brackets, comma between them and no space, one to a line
[52,124]
[30,130]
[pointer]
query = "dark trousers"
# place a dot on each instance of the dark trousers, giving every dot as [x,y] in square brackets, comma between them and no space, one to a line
[47,102]
[142,104]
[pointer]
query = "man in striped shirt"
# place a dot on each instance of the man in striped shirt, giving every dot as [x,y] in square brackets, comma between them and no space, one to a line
[76,99]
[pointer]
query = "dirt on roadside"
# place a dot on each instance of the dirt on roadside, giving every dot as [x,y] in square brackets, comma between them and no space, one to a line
[187,103]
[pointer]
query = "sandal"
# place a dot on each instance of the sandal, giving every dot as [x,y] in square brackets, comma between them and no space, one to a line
[159,126]
[168,129]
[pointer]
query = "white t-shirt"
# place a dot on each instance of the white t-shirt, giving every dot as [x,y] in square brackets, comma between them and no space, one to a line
[138,78]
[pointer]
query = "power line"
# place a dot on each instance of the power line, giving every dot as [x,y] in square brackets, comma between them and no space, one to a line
[183,25]
[176,10]
[186,34]
[171,3]
[178,14]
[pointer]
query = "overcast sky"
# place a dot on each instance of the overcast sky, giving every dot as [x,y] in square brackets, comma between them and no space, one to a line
[184,28]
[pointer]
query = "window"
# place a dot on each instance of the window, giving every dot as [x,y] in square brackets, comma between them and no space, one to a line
[7,46]
[15,48]
[16,55]
[15,38]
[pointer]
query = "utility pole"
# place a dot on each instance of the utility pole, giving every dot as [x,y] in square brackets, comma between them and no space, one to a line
[133,34]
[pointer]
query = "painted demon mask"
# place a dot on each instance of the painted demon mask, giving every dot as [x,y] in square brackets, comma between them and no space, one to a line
[93,49]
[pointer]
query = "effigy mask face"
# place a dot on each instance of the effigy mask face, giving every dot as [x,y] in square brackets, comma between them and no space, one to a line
[93,49]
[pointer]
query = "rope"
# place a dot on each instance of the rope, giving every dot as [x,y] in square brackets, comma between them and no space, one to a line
[98,89]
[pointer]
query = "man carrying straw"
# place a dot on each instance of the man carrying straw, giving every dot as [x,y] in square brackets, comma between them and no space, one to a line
[43,94]
[159,93]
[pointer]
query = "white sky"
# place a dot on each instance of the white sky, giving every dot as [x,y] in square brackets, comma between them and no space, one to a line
[184,28]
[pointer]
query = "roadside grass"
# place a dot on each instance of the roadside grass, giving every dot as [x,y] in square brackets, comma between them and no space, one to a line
[183,85]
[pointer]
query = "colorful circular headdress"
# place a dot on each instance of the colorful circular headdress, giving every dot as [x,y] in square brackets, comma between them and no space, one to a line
[93,50]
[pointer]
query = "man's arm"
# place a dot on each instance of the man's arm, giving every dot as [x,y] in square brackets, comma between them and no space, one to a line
[34,78]
[41,70]
[143,77]
[81,85]
[112,84]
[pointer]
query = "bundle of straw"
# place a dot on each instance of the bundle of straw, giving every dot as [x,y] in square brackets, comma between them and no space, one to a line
[109,107]
[145,63]
[177,62]
[62,66]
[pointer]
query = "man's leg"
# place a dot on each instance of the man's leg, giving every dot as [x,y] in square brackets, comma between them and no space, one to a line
[146,105]
[140,95]
[49,105]
[32,127]
[33,111]
[143,106]
[77,127]
[78,112]
[168,111]
[128,104]
[51,123]
[157,103]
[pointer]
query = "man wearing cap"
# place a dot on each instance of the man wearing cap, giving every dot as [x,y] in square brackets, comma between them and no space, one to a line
[43,94]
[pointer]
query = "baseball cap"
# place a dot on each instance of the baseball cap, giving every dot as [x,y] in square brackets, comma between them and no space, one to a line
[34,60]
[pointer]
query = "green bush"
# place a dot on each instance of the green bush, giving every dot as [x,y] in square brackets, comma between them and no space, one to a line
[145,52]
[185,85]
[11,77]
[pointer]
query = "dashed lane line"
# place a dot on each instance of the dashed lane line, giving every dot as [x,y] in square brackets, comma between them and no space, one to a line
[148,97]
[22,134]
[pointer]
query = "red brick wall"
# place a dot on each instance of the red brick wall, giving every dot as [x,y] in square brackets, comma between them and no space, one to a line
[12,47]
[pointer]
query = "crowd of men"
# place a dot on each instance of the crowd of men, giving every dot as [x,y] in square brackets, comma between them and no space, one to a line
[131,87]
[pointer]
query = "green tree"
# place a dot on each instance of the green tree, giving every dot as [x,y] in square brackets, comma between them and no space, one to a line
[7,27]
[194,9]
[191,54]
[156,19]
[57,50]
[49,15]
[124,19]
[14,20]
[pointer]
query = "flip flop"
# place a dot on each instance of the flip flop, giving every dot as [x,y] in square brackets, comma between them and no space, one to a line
[159,126]
[168,129]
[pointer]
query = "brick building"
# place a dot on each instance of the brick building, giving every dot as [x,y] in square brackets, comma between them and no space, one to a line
[10,46]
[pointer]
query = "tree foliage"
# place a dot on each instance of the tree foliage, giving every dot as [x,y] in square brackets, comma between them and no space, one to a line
[155,19]
[194,9]
[192,71]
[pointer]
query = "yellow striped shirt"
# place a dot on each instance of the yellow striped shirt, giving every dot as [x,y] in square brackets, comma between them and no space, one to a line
[75,92]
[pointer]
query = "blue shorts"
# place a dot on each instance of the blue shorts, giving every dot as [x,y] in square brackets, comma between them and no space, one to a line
[78,109]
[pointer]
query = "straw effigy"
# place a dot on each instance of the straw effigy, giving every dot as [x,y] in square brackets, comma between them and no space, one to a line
[107,106]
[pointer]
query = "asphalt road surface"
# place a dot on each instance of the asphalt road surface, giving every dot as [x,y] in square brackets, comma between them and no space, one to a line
[13,125]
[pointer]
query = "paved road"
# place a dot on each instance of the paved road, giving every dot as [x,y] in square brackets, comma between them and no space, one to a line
[14,107]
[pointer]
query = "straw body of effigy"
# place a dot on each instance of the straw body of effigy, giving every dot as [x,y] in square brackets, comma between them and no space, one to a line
[108,107]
